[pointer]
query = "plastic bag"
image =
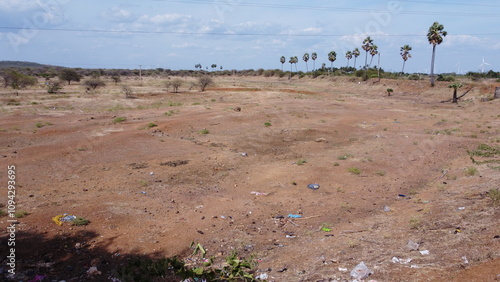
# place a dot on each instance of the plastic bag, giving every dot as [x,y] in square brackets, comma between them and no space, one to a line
[361,271]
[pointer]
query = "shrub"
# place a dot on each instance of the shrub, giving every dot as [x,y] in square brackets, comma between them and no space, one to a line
[127,91]
[53,87]
[93,83]
[414,77]
[204,82]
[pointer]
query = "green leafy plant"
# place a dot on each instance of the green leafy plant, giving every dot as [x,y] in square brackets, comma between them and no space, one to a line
[267,124]
[389,91]
[354,170]
[494,196]
[152,124]
[204,131]
[471,171]
[301,162]
[20,214]
[119,119]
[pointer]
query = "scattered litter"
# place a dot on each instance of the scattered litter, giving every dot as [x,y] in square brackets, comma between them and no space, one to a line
[143,192]
[282,270]
[294,216]
[326,229]
[329,235]
[461,208]
[424,252]
[464,258]
[151,173]
[387,208]
[37,278]
[262,276]
[290,236]
[313,186]
[414,266]
[279,245]
[60,219]
[279,217]
[496,237]
[458,230]
[361,271]
[321,140]
[244,154]
[402,195]
[93,271]
[413,246]
[259,193]
[401,261]
[343,269]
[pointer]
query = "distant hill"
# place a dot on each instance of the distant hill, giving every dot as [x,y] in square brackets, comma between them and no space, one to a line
[20,64]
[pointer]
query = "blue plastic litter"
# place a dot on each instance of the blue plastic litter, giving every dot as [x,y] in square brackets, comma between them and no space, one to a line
[313,186]
[294,216]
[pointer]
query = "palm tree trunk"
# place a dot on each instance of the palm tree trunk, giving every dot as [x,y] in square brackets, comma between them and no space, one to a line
[307,68]
[366,59]
[455,99]
[432,64]
[371,61]
[355,62]
[347,63]
[314,65]
[403,69]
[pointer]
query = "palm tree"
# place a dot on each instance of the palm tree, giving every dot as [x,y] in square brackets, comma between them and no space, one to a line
[405,54]
[455,87]
[332,56]
[282,61]
[291,61]
[348,56]
[435,36]
[295,61]
[306,58]
[367,46]
[373,52]
[314,56]
[356,54]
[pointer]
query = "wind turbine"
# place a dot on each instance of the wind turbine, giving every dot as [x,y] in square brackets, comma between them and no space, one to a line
[482,65]
[458,64]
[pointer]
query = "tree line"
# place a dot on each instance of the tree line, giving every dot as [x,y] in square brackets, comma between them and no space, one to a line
[435,36]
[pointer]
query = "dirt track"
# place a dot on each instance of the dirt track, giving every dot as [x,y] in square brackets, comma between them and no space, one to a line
[151,191]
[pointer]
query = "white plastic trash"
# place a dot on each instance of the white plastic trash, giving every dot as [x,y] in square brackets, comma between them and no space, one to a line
[361,271]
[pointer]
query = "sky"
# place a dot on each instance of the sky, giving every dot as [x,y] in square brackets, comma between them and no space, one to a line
[247,34]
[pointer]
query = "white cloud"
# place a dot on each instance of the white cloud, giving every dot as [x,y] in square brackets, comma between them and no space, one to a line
[164,19]
[453,40]
[18,5]
[117,14]
[184,45]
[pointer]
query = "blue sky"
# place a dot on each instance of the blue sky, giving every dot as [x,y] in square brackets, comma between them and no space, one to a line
[246,34]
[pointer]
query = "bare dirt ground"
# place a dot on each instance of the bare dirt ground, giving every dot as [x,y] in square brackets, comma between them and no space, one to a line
[390,170]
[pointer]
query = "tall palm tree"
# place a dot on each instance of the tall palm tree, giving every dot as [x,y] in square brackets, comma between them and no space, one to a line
[435,36]
[282,61]
[314,56]
[405,54]
[367,46]
[348,56]
[295,61]
[373,52]
[292,59]
[306,58]
[356,54]
[332,56]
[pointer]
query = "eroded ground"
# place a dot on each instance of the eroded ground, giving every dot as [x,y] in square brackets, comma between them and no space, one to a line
[182,167]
